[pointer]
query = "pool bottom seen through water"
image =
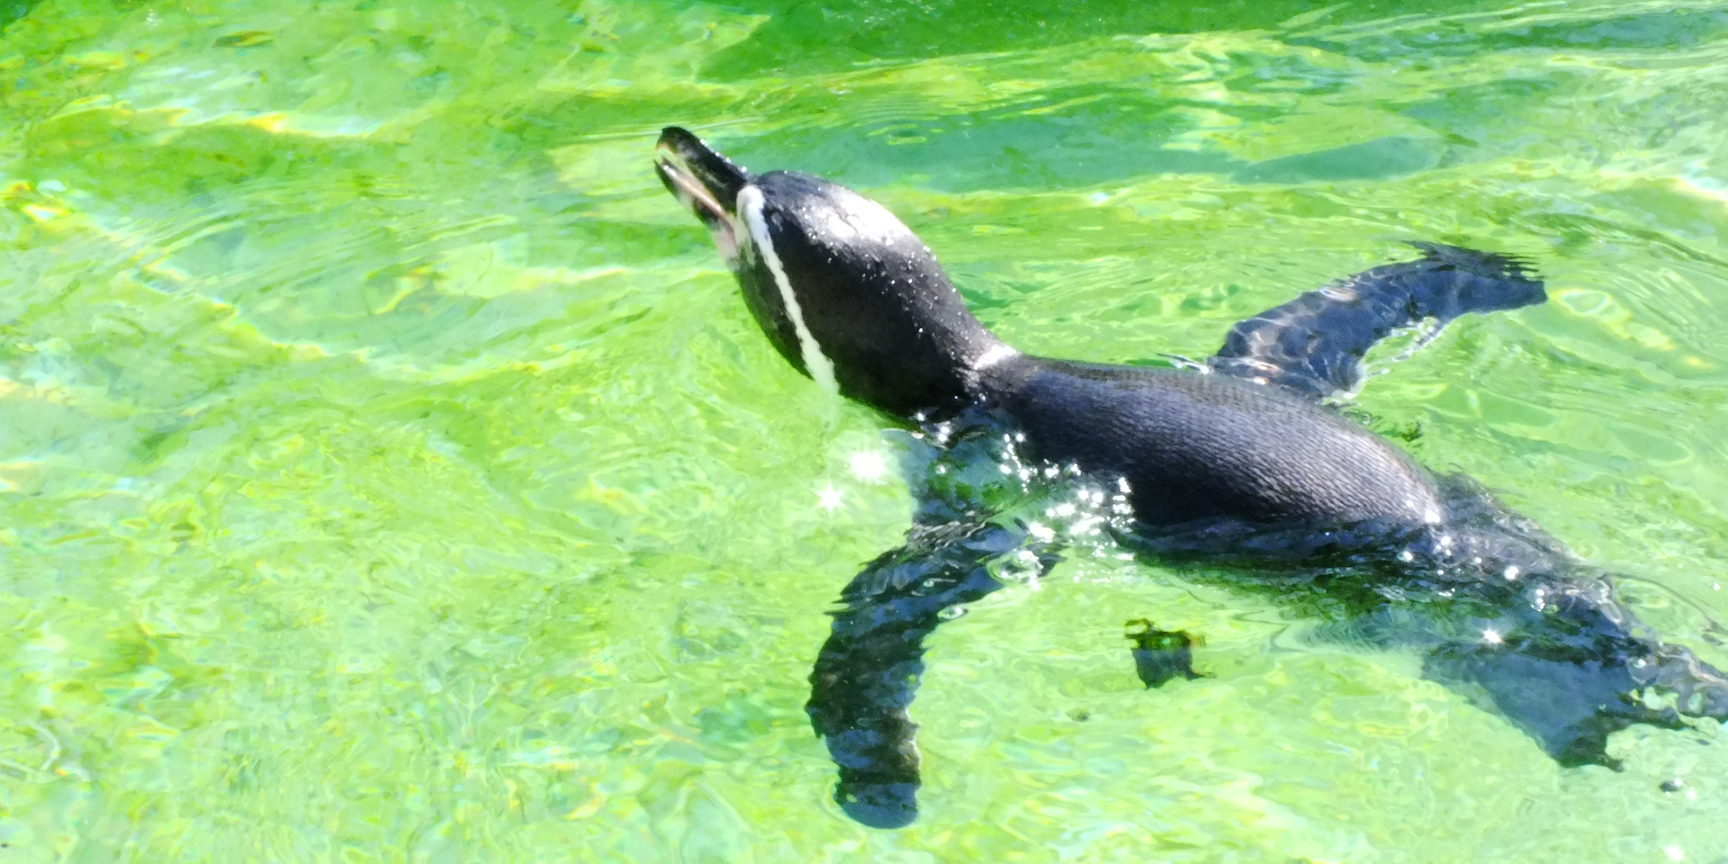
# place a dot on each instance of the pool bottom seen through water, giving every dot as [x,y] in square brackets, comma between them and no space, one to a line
[389,468]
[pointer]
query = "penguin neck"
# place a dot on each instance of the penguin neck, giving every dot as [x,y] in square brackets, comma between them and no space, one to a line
[855,300]
[934,361]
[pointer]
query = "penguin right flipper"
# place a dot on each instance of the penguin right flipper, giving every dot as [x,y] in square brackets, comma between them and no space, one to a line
[867,672]
[1314,344]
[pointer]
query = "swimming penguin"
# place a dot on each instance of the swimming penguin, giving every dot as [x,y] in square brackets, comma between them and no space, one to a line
[1239,463]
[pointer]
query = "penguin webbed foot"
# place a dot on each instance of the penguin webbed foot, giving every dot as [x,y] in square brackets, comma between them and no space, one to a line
[1574,673]
[1569,705]
[1700,690]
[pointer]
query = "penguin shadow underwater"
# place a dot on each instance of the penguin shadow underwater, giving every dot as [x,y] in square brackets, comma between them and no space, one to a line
[1235,471]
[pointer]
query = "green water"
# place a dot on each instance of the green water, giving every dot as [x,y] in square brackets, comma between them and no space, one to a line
[390,471]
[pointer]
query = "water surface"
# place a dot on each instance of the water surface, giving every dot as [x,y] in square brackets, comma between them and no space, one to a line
[389,470]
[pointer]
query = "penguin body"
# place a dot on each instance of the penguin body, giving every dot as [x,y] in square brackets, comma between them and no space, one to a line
[1198,446]
[851,297]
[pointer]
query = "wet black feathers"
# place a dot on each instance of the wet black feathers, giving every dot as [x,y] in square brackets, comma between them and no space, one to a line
[1314,344]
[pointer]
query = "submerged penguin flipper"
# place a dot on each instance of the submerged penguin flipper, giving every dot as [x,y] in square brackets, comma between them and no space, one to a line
[1314,344]
[868,671]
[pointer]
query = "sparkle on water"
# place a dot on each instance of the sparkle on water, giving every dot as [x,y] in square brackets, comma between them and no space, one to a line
[871,466]
[390,471]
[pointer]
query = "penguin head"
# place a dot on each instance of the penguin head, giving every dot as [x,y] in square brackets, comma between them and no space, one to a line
[845,291]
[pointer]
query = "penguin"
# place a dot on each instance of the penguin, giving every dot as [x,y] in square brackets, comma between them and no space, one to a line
[853,299]
[1242,462]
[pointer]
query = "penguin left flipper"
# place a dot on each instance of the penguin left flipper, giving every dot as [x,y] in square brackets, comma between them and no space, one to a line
[867,672]
[1314,344]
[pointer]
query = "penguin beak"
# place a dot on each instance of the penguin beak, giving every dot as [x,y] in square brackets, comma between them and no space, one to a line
[705,181]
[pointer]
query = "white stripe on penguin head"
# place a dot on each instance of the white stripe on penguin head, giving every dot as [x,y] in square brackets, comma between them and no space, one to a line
[815,362]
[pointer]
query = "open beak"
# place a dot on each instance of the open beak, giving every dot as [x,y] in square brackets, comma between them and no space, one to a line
[705,181]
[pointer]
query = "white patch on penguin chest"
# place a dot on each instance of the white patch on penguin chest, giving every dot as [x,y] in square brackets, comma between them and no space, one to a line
[815,362]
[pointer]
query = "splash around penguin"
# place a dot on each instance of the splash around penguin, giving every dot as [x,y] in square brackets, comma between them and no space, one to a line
[1240,464]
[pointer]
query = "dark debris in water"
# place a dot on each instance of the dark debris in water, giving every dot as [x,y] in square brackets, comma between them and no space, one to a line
[1161,656]
[245,39]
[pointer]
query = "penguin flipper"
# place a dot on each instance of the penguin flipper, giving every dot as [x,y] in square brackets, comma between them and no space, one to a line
[1314,344]
[867,672]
